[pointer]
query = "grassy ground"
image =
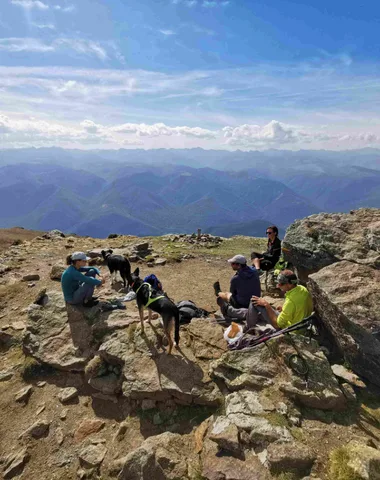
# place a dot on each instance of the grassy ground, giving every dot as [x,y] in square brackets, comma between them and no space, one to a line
[12,236]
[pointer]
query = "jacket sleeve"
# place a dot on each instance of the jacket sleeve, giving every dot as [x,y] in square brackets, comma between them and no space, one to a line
[234,284]
[86,269]
[82,278]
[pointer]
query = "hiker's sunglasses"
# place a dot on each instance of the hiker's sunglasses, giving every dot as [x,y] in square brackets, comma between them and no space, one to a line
[268,233]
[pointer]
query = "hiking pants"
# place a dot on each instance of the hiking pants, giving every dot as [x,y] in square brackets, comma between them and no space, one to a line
[257,315]
[85,291]
[231,313]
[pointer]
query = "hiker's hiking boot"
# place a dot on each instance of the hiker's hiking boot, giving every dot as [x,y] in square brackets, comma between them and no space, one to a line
[217,288]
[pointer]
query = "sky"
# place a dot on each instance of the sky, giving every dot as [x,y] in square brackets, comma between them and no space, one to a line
[215,74]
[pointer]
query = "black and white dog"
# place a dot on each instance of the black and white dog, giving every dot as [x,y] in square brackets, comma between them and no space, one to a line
[160,304]
[118,263]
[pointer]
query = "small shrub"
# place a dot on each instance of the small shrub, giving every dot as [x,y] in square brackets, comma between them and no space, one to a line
[113,235]
[32,369]
[338,466]
[277,420]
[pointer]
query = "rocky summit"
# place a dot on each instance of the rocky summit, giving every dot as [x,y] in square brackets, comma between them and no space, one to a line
[84,394]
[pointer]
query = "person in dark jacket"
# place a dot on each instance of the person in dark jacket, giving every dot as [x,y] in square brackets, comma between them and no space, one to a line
[267,260]
[234,304]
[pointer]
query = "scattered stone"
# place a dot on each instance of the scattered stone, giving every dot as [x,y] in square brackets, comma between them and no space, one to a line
[105,398]
[39,429]
[40,409]
[24,394]
[6,375]
[292,457]
[39,300]
[87,427]
[121,431]
[59,436]
[18,325]
[225,434]
[67,394]
[157,420]
[92,456]
[56,272]
[41,384]
[15,462]
[342,372]
[160,262]
[31,277]
[63,414]
[30,285]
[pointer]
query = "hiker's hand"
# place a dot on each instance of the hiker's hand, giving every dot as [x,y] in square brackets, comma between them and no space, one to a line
[279,308]
[259,302]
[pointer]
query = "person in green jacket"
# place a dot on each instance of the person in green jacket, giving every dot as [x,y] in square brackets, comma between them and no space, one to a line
[297,306]
[79,281]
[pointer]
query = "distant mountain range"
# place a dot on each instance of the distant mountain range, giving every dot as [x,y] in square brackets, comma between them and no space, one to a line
[158,191]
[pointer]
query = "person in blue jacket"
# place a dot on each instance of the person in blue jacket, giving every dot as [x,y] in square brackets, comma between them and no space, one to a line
[244,284]
[79,281]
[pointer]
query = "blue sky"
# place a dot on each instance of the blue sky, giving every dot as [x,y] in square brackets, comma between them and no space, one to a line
[223,74]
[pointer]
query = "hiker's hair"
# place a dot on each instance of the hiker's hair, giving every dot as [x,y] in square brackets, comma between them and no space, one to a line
[275,229]
[69,260]
[290,276]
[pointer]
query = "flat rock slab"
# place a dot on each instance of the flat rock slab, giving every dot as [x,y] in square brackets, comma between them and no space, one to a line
[149,373]
[65,336]
[15,462]
[320,240]
[92,456]
[347,298]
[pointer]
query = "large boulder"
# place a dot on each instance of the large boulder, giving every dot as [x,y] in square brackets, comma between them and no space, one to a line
[66,336]
[261,366]
[320,240]
[347,298]
[167,456]
[149,373]
[355,460]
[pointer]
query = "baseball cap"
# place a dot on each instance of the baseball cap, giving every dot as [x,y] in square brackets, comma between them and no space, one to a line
[238,259]
[79,256]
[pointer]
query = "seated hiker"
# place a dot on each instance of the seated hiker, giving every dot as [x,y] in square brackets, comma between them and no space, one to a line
[244,284]
[298,304]
[267,260]
[78,281]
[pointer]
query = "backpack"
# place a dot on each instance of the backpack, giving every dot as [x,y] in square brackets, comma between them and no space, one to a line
[188,310]
[154,282]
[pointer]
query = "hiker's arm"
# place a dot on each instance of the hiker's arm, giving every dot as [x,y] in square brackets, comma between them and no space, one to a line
[86,269]
[83,278]
[260,302]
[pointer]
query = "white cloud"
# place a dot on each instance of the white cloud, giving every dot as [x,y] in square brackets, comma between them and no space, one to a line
[29,4]
[67,9]
[22,130]
[85,47]
[42,26]
[167,32]
[24,45]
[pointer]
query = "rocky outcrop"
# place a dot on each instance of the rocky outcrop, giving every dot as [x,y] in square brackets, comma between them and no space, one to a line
[261,367]
[320,240]
[148,373]
[355,460]
[347,298]
[66,336]
[163,457]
